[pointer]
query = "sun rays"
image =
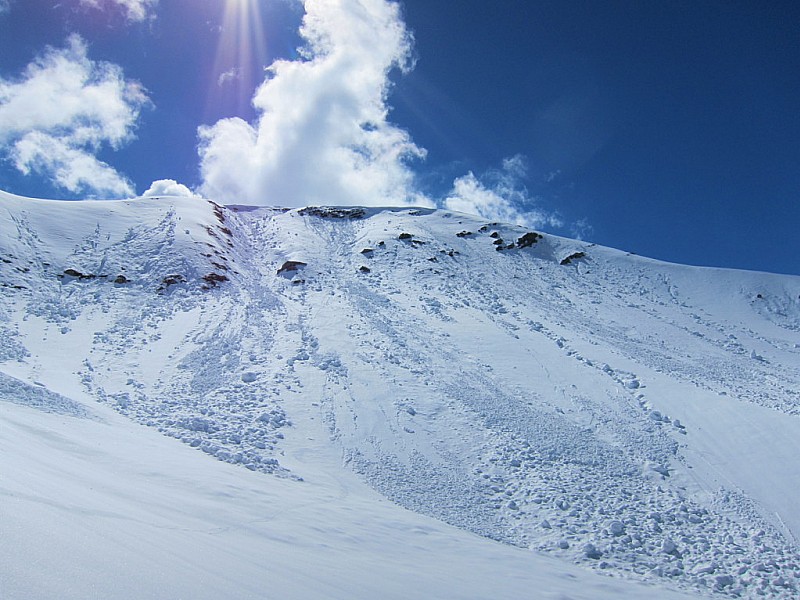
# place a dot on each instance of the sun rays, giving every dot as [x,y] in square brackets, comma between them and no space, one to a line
[241,55]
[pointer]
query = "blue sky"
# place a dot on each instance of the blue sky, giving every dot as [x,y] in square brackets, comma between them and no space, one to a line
[666,129]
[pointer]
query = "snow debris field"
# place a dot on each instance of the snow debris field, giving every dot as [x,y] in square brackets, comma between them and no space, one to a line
[608,425]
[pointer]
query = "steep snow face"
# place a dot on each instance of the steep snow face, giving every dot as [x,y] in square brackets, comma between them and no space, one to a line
[633,417]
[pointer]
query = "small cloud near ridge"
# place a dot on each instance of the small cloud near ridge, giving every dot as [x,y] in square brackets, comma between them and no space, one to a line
[168,187]
[500,195]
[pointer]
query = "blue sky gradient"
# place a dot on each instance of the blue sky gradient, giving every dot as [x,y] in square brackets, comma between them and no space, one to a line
[666,129]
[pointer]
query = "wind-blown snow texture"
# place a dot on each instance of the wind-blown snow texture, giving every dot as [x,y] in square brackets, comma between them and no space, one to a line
[633,417]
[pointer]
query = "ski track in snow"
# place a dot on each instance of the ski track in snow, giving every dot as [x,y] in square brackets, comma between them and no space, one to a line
[489,386]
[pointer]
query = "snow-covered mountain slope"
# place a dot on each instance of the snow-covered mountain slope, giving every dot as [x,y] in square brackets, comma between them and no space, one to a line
[590,410]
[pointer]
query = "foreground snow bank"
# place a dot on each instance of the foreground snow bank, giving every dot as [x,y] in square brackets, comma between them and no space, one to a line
[106,509]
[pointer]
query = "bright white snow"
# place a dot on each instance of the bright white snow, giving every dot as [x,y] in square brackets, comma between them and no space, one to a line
[578,408]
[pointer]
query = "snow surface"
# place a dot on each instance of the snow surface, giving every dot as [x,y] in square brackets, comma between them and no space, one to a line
[423,405]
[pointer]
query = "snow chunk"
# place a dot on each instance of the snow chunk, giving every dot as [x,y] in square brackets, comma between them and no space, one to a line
[249,377]
[669,547]
[591,551]
[616,528]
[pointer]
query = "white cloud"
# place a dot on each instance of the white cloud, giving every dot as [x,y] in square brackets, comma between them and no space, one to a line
[135,10]
[168,187]
[70,168]
[5,5]
[581,229]
[322,135]
[63,111]
[228,76]
[499,195]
